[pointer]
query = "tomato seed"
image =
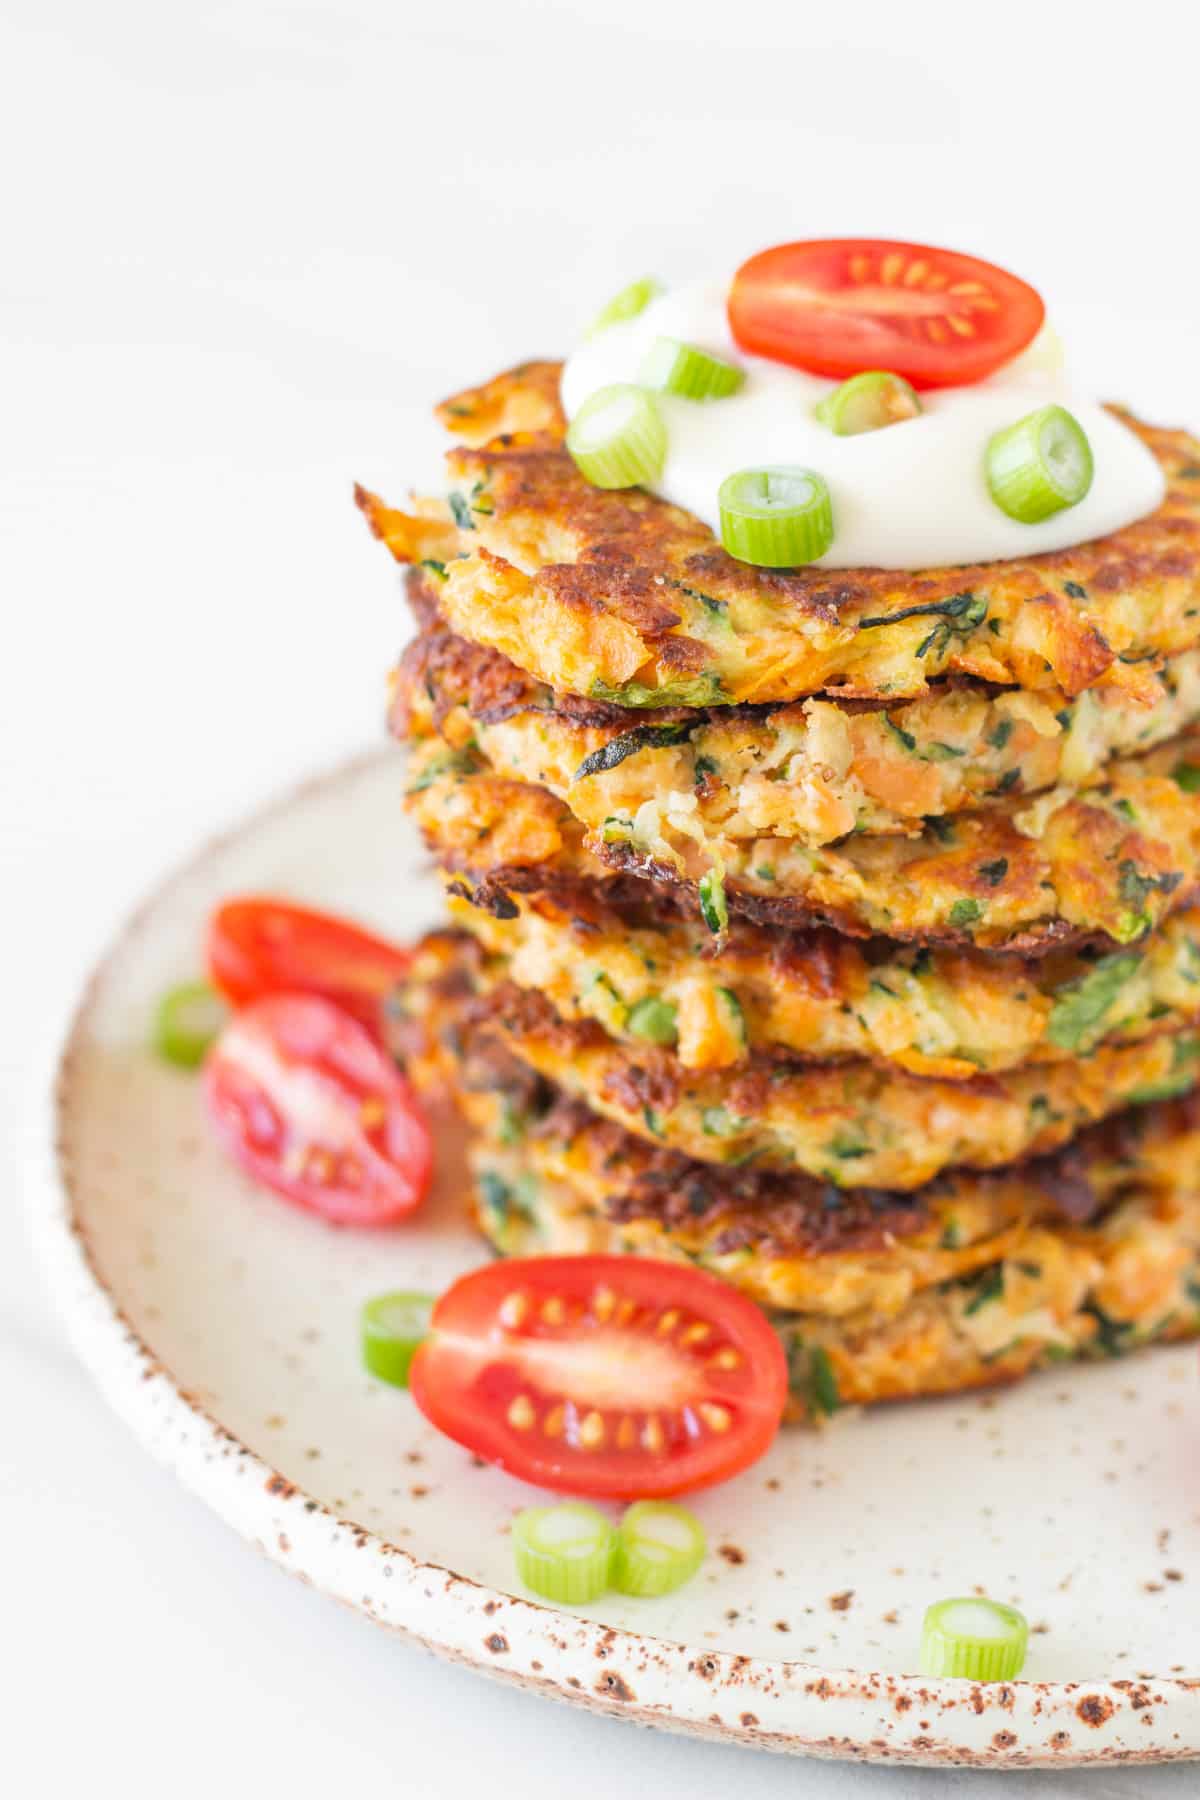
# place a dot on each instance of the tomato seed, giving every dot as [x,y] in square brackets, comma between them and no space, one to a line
[512,1310]
[717,1418]
[603,1302]
[591,1431]
[521,1415]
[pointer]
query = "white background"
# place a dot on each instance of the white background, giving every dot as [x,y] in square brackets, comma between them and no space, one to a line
[244,245]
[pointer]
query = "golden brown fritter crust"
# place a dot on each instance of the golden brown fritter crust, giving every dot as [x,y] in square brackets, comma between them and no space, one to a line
[656,1202]
[816,770]
[818,997]
[1022,877]
[620,596]
[972,1279]
[849,1125]
[433,1029]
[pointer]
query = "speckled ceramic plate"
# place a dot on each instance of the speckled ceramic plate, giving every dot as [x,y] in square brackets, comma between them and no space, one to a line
[222,1326]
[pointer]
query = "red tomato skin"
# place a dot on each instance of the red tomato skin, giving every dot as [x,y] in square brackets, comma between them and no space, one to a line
[257,946]
[772,314]
[461,1382]
[286,1052]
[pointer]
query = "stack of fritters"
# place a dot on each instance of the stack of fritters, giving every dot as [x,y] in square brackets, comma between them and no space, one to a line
[836,930]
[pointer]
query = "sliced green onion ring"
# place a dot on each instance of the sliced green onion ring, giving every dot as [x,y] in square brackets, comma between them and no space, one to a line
[1040,465]
[775,518]
[187,1020]
[564,1553]
[674,367]
[659,1547]
[618,438]
[627,304]
[980,1640]
[654,1019]
[867,402]
[392,1327]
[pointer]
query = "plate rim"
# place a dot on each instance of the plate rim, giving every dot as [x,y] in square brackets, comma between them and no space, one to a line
[791,1706]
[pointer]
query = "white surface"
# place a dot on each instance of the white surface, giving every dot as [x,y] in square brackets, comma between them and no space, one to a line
[244,244]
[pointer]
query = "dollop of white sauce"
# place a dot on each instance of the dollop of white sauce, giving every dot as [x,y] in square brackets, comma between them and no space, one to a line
[910,496]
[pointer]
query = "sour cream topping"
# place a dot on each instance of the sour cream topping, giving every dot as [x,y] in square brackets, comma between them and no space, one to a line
[910,496]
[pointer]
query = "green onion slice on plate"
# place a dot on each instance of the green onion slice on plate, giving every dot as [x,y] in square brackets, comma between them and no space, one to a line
[980,1640]
[627,304]
[392,1327]
[775,518]
[867,402]
[564,1553]
[659,1547]
[1040,465]
[674,367]
[618,438]
[187,1022]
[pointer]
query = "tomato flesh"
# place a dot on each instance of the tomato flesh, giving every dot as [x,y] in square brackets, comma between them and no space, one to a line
[837,306]
[615,1377]
[303,1099]
[260,946]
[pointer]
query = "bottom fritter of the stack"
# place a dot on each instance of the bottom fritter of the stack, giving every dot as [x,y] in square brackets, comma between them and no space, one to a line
[978,1276]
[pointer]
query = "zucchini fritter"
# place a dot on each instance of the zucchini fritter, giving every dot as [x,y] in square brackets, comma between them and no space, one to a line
[850,1124]
[619,596]
[973,1279]
[1021,876]
[820,997]
[816,771]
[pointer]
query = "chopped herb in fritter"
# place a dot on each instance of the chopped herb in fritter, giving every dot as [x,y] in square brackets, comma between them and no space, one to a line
[713,904]
[719,1123]
[701,690]
[959,616]
[1112,1335]
[1082,1006]
[642,737]
[1134,887]
[718,608]
[989,1287]
[905,737]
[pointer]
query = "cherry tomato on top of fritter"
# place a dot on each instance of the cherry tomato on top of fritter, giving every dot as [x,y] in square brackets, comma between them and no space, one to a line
[837,306]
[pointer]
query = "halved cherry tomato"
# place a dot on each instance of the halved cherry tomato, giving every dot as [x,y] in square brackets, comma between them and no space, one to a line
[305,1101]
[263,946]
[612,1376]
[836,306]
